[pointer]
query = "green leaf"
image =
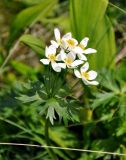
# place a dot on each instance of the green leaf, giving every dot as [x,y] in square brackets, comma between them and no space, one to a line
[122,106]
[88,19]
[30,2]
[107,117]
[34,43]
[29,16]
[121,130]
[102,99]
[53,106]
[27,99]
[23,68]
[51,114]
[108,144]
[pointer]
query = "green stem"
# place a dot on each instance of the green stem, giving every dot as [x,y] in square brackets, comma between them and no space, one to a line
[54,85]
[52,154]
[50,81]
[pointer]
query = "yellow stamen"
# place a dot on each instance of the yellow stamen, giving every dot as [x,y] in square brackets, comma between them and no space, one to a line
[52,57]
[81,46]
[60,41]
[71,42]
[68,61]
[85,75]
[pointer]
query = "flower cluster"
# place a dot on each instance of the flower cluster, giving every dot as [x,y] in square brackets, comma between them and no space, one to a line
[66,52]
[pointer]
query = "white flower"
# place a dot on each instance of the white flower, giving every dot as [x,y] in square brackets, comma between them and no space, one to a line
[51,57]
[79,53]
[57,34]
[69,59]
[65,42]
[68,42]
[87,77]
[81,48]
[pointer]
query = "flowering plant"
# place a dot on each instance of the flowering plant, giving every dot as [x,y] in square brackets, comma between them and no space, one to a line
[65,52]
[52,96]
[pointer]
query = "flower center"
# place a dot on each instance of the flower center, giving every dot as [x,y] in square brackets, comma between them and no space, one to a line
[85,75]
[81,46]
[68,61]
[52,57]
[71,42]
[60,41]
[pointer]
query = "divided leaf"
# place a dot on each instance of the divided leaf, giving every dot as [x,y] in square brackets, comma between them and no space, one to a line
[27,99]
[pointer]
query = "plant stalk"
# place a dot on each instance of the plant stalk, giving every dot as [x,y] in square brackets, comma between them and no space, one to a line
[52,154]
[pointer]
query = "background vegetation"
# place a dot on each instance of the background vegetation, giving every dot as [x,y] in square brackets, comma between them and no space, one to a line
[26,27]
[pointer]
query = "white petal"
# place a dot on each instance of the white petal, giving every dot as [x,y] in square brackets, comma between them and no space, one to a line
[86,82]
[58,57]
[78,50]
[71,55]
[46,51]
[84,42]
[45,61]
[89,82]
[50,50]
[89,51]
[92,75]
[77,73]
[54,43]
[81,56]
[62,65]
[94,83]
[57,34]
[64,44]
[56,67]
[75,41]
[63,54]
[85,67]
[68,35]
[77,63]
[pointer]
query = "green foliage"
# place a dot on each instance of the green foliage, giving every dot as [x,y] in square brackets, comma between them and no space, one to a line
[113,96]
[34,43]
[23,69]
[52,101]
[30,128]
[25,105]
[28,17]
[88,19]
[31,2]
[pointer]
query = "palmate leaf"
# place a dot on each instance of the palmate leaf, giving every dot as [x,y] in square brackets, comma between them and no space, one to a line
[53,106]
[51,114]
[27,99]
[66,110]
[88,18]
[102,99]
